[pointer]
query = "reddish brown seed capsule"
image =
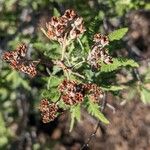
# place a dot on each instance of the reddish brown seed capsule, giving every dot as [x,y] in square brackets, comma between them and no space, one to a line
[17,60]
[68,26]
[72,92]
[98,52]
[48,110]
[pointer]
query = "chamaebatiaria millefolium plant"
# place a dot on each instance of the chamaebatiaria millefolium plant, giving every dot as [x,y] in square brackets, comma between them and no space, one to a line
[80,75]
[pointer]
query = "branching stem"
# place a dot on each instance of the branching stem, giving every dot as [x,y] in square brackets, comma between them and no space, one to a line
[64,46]
[104,102]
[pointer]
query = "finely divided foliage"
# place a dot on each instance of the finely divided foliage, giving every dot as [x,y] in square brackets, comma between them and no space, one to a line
[74,87]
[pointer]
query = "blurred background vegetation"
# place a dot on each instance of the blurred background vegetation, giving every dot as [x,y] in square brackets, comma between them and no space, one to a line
[20,123]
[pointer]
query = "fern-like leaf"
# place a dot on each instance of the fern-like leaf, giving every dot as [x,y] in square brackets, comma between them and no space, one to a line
[113,88]
[94,110]
[117,34]
[92,29]
[117,63]
[54,81]
[75,115]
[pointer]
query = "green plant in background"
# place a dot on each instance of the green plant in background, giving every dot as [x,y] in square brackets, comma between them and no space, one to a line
[4,133]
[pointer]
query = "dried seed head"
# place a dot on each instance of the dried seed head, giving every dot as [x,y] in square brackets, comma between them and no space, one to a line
[72,98]
[95,93]
[17,60]
[105,57]
[68,26]
[72,93]
[48,110]
[17,54]
[94,57]
[28,69]
[99,53]
[100,39]
[44,103]
[54,21]
[69,14]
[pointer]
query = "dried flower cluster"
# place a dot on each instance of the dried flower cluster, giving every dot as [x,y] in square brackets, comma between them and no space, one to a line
[99,53]
[68,26]
[73,93]
[48,110]
[17,60]
[95,93]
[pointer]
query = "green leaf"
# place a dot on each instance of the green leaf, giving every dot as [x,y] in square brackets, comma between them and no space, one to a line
[4,133]
[94,110]
[92,28]
[89,74]
[56,12]
[75,115]
[147,76]
[145,95]
[3,93]
[52,94]
[117,63]
[53,81]
[117,34]
[56,69]
[113,88]
[15,79]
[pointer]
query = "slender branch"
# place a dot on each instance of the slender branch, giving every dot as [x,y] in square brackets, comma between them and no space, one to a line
[90,137]
[80,43]
[68,61]
[111,107]
[64,45]
[67,69]
[137,74]
[77,74]
[104,102]
[79,63]
[42,29]
[48,71]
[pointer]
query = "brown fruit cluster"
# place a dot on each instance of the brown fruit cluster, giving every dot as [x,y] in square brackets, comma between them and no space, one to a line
[17,60]
[74,93]
[71,93]
[48,110]
[99,53]
[68,26]
[95,93]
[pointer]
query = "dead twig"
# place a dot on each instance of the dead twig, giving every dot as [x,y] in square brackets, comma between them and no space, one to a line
[99,125]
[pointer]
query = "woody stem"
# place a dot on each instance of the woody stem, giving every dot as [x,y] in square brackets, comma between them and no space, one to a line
[64,45]
[79,63]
